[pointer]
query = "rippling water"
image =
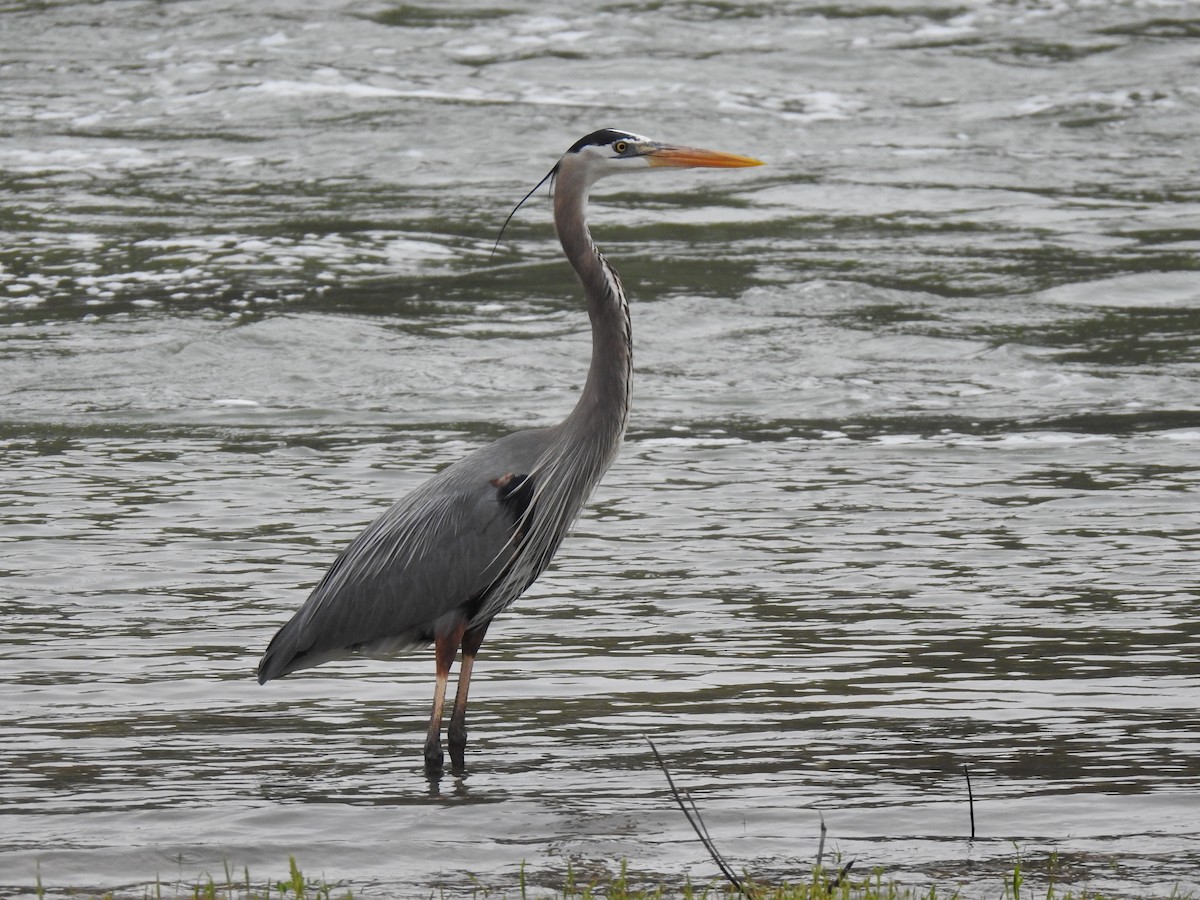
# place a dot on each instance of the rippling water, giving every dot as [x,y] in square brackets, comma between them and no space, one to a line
[911,481]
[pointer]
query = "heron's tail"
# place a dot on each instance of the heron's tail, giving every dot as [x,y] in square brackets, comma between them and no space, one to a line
[280,657]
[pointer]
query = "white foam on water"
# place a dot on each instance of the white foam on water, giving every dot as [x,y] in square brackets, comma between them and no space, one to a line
[1143,289]
[289,88]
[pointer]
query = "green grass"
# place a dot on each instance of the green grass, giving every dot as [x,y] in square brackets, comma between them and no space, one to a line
[295,887]
[821,885]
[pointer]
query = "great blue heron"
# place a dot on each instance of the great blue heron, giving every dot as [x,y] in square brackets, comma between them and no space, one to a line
[443,562]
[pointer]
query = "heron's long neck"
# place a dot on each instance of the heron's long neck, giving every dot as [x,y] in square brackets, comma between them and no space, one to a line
[603,406]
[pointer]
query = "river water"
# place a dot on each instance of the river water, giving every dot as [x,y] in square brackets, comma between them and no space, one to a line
[911,482]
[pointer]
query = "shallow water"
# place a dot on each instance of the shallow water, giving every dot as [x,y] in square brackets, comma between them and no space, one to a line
[910,485]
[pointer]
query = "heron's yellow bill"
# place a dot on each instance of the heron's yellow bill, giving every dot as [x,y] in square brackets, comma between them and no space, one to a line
[692,157]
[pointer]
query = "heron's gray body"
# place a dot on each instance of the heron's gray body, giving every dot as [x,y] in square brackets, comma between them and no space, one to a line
[444,550]
[459,549]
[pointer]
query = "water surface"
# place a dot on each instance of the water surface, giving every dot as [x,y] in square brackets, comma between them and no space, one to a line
[910,484]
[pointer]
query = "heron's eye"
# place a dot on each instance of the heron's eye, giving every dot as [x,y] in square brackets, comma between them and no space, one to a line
[621,146]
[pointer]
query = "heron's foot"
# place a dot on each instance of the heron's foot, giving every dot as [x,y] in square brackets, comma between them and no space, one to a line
[434,758]
[456,736]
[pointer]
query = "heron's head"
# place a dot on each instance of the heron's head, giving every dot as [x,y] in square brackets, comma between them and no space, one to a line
[609,150]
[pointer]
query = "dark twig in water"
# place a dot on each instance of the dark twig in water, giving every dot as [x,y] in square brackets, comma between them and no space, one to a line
[970,800]
[845,870]
[692,814]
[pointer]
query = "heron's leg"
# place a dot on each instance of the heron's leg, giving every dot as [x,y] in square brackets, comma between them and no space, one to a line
[457,732]
[445,647]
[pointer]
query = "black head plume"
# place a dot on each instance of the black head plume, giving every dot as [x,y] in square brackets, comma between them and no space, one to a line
[548,177]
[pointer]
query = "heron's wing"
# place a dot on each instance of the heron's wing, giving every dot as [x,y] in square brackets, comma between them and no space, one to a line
[438,551]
